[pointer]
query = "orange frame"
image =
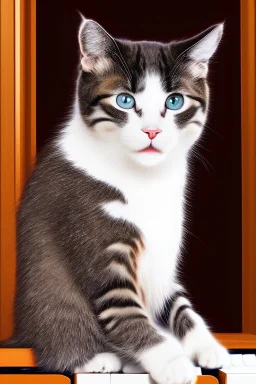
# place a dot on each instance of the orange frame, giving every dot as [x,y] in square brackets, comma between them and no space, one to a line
[18,133]
[18,146]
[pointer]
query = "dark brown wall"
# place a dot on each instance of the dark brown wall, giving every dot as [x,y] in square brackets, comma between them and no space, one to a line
[212,260]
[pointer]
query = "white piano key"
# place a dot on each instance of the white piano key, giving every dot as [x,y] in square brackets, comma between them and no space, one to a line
[92,378]
[237,360]
[118,378]
[228,362]
[198,371]
[249,360]
[242,369]
[138,378]
[128,378]
[240,379]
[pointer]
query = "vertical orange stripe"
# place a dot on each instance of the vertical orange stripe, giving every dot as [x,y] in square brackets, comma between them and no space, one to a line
[7,167]
[32,379]
[248,136]
[18,134]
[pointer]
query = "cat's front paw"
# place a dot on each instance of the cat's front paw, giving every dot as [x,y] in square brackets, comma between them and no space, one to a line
[201,347]
[176,371]
[167,364]
[212,356]
[101,363]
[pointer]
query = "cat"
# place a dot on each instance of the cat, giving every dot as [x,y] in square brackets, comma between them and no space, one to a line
[100,222]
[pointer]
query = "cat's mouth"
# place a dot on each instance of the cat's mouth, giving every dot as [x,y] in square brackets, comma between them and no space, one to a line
[150,149]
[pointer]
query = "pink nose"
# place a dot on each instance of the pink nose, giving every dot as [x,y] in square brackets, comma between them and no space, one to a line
[152,133]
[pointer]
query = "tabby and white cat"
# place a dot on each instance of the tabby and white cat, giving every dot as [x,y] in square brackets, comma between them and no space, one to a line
[100,222]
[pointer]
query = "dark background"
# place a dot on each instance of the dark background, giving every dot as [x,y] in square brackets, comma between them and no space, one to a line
[211,269]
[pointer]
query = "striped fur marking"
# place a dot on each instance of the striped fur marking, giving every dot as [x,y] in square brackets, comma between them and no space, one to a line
[115,284]
[100,120]
[182,119]
[115,114]
[114,324]
[122,312]
[122,293]
[118,302]
[169,307]
[182,322]
[119,247]
[178,301]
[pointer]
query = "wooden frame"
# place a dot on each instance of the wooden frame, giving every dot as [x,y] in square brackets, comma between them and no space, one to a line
[7,166]
[18,133]
[18,144]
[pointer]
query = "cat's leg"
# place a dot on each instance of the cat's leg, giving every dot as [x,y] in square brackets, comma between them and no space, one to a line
[128,328]
[52,315]
[189,327]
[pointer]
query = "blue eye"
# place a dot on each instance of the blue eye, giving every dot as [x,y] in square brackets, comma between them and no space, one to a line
[174,101]
[125,101]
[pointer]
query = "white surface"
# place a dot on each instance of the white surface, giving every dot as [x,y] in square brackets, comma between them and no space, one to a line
[237,360]
[92,378]
[134,378]
[241,379]
[244,364]
[242,369]
[117,378]
[249,360]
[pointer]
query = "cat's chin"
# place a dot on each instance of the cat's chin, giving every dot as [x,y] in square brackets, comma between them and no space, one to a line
[149,159]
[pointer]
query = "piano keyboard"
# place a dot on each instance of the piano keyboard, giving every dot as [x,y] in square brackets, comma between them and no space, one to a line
[19,366]
[241,370]
[117,378]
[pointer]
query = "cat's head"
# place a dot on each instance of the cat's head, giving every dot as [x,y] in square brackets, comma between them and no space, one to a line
[144,98]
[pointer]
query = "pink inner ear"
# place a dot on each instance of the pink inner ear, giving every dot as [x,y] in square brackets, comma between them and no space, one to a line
[99,65]
[87,64]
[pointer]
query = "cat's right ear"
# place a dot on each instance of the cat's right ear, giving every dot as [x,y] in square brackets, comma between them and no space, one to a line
[95,47]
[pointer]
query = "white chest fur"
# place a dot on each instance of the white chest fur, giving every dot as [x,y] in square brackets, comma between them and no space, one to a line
[157,211]
[154,205]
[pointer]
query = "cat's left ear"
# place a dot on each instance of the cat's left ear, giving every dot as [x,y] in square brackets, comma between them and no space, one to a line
[96,46]
[203,46]
[199,49]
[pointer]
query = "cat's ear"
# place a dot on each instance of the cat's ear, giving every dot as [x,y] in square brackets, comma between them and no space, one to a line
[206,44]
[95,46]
[201,47]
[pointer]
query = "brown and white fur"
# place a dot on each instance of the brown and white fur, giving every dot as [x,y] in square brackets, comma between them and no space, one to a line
[100,225]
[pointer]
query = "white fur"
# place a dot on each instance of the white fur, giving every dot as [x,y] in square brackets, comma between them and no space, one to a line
[167,363]
[160,222]
[119,247]
[101,363]
[199,344]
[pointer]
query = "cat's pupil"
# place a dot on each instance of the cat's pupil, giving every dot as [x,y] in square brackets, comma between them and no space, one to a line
[126,99]
[174,100]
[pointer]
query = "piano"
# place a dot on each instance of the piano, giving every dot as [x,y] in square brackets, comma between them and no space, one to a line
[18,366]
